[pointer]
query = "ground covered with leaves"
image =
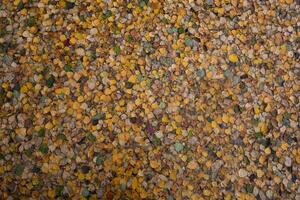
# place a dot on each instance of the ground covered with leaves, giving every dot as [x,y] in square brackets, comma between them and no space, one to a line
[149,99]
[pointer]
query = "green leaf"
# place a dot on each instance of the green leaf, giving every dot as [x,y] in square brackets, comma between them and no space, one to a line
[165,20]
[19,169]
[99,116]
[156,141]
[35,169]
[82,18]
[254,121]
[116,31]
[178,146]
[287,115]
[91,137]
[99,160]
[181,30]
[59,190]
[129,38]
[61,137]
[29,152]
[142,3]
[68,68]
[3,32]
[279,80]
[200,73]
[258,135]
[41,132]
[50,81]
[188,42]
[246,160]
[44,148]
[237,108]
[31,21]
[69,5]
[190,133]
[16,94]
[265,142]
[106,14]
[249,188]
[128,85]
[210,119]
[228,73]
[85,192]
[117,50]
[4,47]
[20,5]
[253,41]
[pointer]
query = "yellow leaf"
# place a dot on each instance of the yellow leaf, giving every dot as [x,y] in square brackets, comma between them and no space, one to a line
[21,131]
[62,38]
[214,124]
[268,108]
[132,79]
[5,85]
[165,119]
[192,165]
[227,196]
[206,193]
[134,183]
[80,99]
[256,110]
[178,118]
[220,11]
[143,193]
[190,187]
[73,40]
[81,176]
[58,91]
[257,61]
[178,131]
[107,91]
[259,173]
[49,126]
[16,2]
[51,194]
[116,157]
[209,74]
[45,168]
[298,159]
[129,6]
[138,101]
[29,85]
[263,127]
[161,184]
[154,164]
[24,89]
[277,179]
[284,146]
[173,175]
[75,105]
[225,118]
[195,197]
[268,150]
[233,58]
